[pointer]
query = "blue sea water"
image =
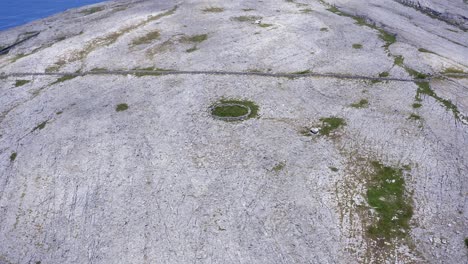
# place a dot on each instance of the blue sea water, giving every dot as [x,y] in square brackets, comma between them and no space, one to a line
[18,12]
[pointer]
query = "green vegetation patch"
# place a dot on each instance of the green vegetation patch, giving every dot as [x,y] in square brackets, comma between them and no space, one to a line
[357,46]
[40,126]
[146,39]
[19,83]
[98,70]
[424,88]
[417,105]
[230,111]
[363,103]
[425,50]
[192,49]
[64,79]
[466,242]
[150,71]
[301,72]
[334,169]
[92,10]
[415,74]
[399,60]
[13,156]
[121,107]
[247,18]
[329,124]
[393,207]
[19,56]
[234,110]
[195,38]
[306,11]
[53,68]
[279,167]
[414,116]
[453,70]
[213,10]
[384,74]
[388,38]
[265,25]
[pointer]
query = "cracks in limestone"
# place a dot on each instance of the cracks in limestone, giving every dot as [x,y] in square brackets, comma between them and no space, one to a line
[433,13]
[80,55]
[420,79]
[34,94]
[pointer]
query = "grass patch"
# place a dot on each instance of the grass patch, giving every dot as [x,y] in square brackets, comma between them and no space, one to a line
[334,169]
[357,46]
[64,79]
[388,38]
[363,103]
[386,194]
[301,72]
[229,111]
[414,117]
[329,124]
[247,18]
[236,110]
[40,126]
[195,38]
[416,105]
[19,83]
[248,9]
[192,49]
[415,74]
[150,71]
[384,74]
[466,242]
[56,66]
[425,88]
[324,29]
[265,25]
[92,10]
[13,156]
[121,107]
[399,60]
[453,70]
[279,167]
[213,10]
[53,68]
[381,75]
[146,39]
[425,50]
[306,11]
[18,56]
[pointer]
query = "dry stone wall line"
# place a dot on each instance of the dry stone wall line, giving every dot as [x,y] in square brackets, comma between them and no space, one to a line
[234,73]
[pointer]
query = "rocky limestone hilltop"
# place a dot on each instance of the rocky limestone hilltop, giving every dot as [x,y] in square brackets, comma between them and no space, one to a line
[275,131]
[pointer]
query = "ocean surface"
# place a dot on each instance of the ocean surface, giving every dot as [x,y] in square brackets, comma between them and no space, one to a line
[18,12]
